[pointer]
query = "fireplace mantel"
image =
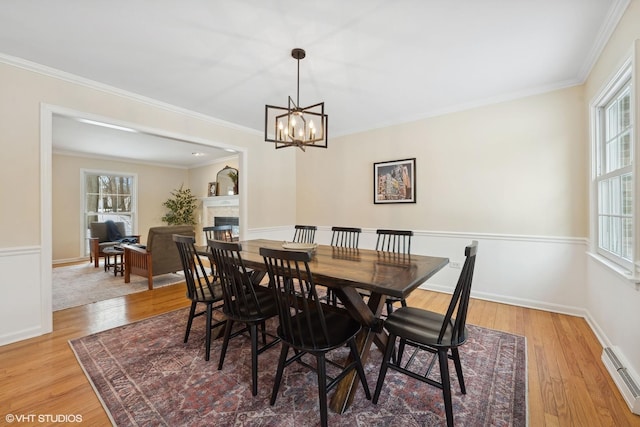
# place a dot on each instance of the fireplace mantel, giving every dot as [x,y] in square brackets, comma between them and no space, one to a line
[218,201]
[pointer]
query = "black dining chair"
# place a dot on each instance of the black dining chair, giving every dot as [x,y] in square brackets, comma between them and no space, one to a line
[396,242]
[218,232]
[304,234]
[244,303]
[432,332]
[307,326]
[201,288]
[343,237]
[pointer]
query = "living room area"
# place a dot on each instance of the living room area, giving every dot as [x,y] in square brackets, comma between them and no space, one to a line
[131,193]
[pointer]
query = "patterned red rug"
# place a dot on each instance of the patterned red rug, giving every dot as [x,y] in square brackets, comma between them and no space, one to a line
[146,376]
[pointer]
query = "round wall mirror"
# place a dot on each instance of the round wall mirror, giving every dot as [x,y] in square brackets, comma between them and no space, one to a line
[227,180]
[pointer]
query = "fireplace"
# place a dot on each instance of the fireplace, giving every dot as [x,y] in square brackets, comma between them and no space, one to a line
[222,210]
[226,220]
[234,221]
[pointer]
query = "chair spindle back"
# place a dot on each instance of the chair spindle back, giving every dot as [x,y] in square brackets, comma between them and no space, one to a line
[305,234]
[396,241]
[199,282]
[300,310]
[345,237]
[459,303]
[240,299]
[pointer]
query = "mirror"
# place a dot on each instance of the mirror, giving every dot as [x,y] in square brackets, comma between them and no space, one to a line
[227,180]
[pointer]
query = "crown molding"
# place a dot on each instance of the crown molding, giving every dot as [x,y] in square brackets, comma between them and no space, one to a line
[112,90]
[616,11]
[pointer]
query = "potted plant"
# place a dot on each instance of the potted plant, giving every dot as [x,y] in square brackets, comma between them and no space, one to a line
[233,175]
[182,207]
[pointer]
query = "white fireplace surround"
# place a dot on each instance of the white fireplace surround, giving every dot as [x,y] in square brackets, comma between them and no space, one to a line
[212,207]
[220,201]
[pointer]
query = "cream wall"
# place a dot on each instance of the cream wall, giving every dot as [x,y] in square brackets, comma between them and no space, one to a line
[201,176]
[518,167]
[154,187]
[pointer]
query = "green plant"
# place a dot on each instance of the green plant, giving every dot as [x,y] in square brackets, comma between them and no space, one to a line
[234,177]
[182,207]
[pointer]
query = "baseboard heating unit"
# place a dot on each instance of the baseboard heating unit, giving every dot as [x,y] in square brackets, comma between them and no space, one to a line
[627,385]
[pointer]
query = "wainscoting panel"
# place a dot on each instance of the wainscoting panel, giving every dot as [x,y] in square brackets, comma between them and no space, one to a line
[21,307]
[545,273]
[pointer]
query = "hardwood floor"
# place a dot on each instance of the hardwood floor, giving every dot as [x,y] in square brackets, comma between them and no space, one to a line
[568,385]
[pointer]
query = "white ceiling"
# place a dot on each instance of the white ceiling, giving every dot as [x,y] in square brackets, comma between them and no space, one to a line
[373,62]
[75,137]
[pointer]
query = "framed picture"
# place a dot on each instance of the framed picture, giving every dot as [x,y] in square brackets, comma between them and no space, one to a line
[211,189]
[394,181]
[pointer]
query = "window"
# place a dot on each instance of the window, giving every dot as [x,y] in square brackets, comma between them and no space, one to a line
[108,196]
[614,171]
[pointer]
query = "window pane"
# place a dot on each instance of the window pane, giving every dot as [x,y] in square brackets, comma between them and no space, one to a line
[614,194]
[625,149]
[627,195]
[624,112]
[612,155]
[627,238]
[603,197]
[603,227]
[612,122]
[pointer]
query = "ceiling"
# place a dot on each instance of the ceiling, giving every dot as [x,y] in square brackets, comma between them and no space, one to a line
[374,63]
[74,136]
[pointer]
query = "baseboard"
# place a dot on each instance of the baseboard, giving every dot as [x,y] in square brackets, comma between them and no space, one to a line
[624,379]
[70,260]
[519,302]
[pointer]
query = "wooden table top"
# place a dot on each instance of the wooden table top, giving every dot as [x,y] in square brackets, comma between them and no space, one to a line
[380,272]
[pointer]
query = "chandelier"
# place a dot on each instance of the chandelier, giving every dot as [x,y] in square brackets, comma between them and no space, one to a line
[295,126]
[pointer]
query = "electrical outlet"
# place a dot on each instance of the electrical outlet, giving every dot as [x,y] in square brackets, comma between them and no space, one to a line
[455,264]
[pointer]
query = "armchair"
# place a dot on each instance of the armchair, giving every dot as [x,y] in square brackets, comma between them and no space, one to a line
[99,240]
[159,256]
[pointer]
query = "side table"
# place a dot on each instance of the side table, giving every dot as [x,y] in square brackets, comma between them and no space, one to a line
[118,259]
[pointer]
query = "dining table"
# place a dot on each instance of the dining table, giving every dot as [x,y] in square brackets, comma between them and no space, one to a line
[351,274]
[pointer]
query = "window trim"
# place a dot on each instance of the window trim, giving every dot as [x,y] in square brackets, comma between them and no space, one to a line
[625,74]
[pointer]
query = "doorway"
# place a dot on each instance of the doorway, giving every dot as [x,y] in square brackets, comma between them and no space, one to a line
[50,116]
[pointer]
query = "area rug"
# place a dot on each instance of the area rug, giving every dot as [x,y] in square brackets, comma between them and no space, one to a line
[84,284]
[146,376]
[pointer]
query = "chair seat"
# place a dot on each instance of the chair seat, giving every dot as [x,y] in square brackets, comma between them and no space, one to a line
[206,295]
[264,307]
[341,327]
[422,326]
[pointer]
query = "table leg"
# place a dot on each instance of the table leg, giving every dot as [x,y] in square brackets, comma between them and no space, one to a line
[368,315]
[117,266]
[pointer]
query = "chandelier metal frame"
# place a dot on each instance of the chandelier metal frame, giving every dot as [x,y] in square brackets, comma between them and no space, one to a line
[295,126]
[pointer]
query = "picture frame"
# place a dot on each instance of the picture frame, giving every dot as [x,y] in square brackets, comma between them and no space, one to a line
[394,181]
[211,189]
